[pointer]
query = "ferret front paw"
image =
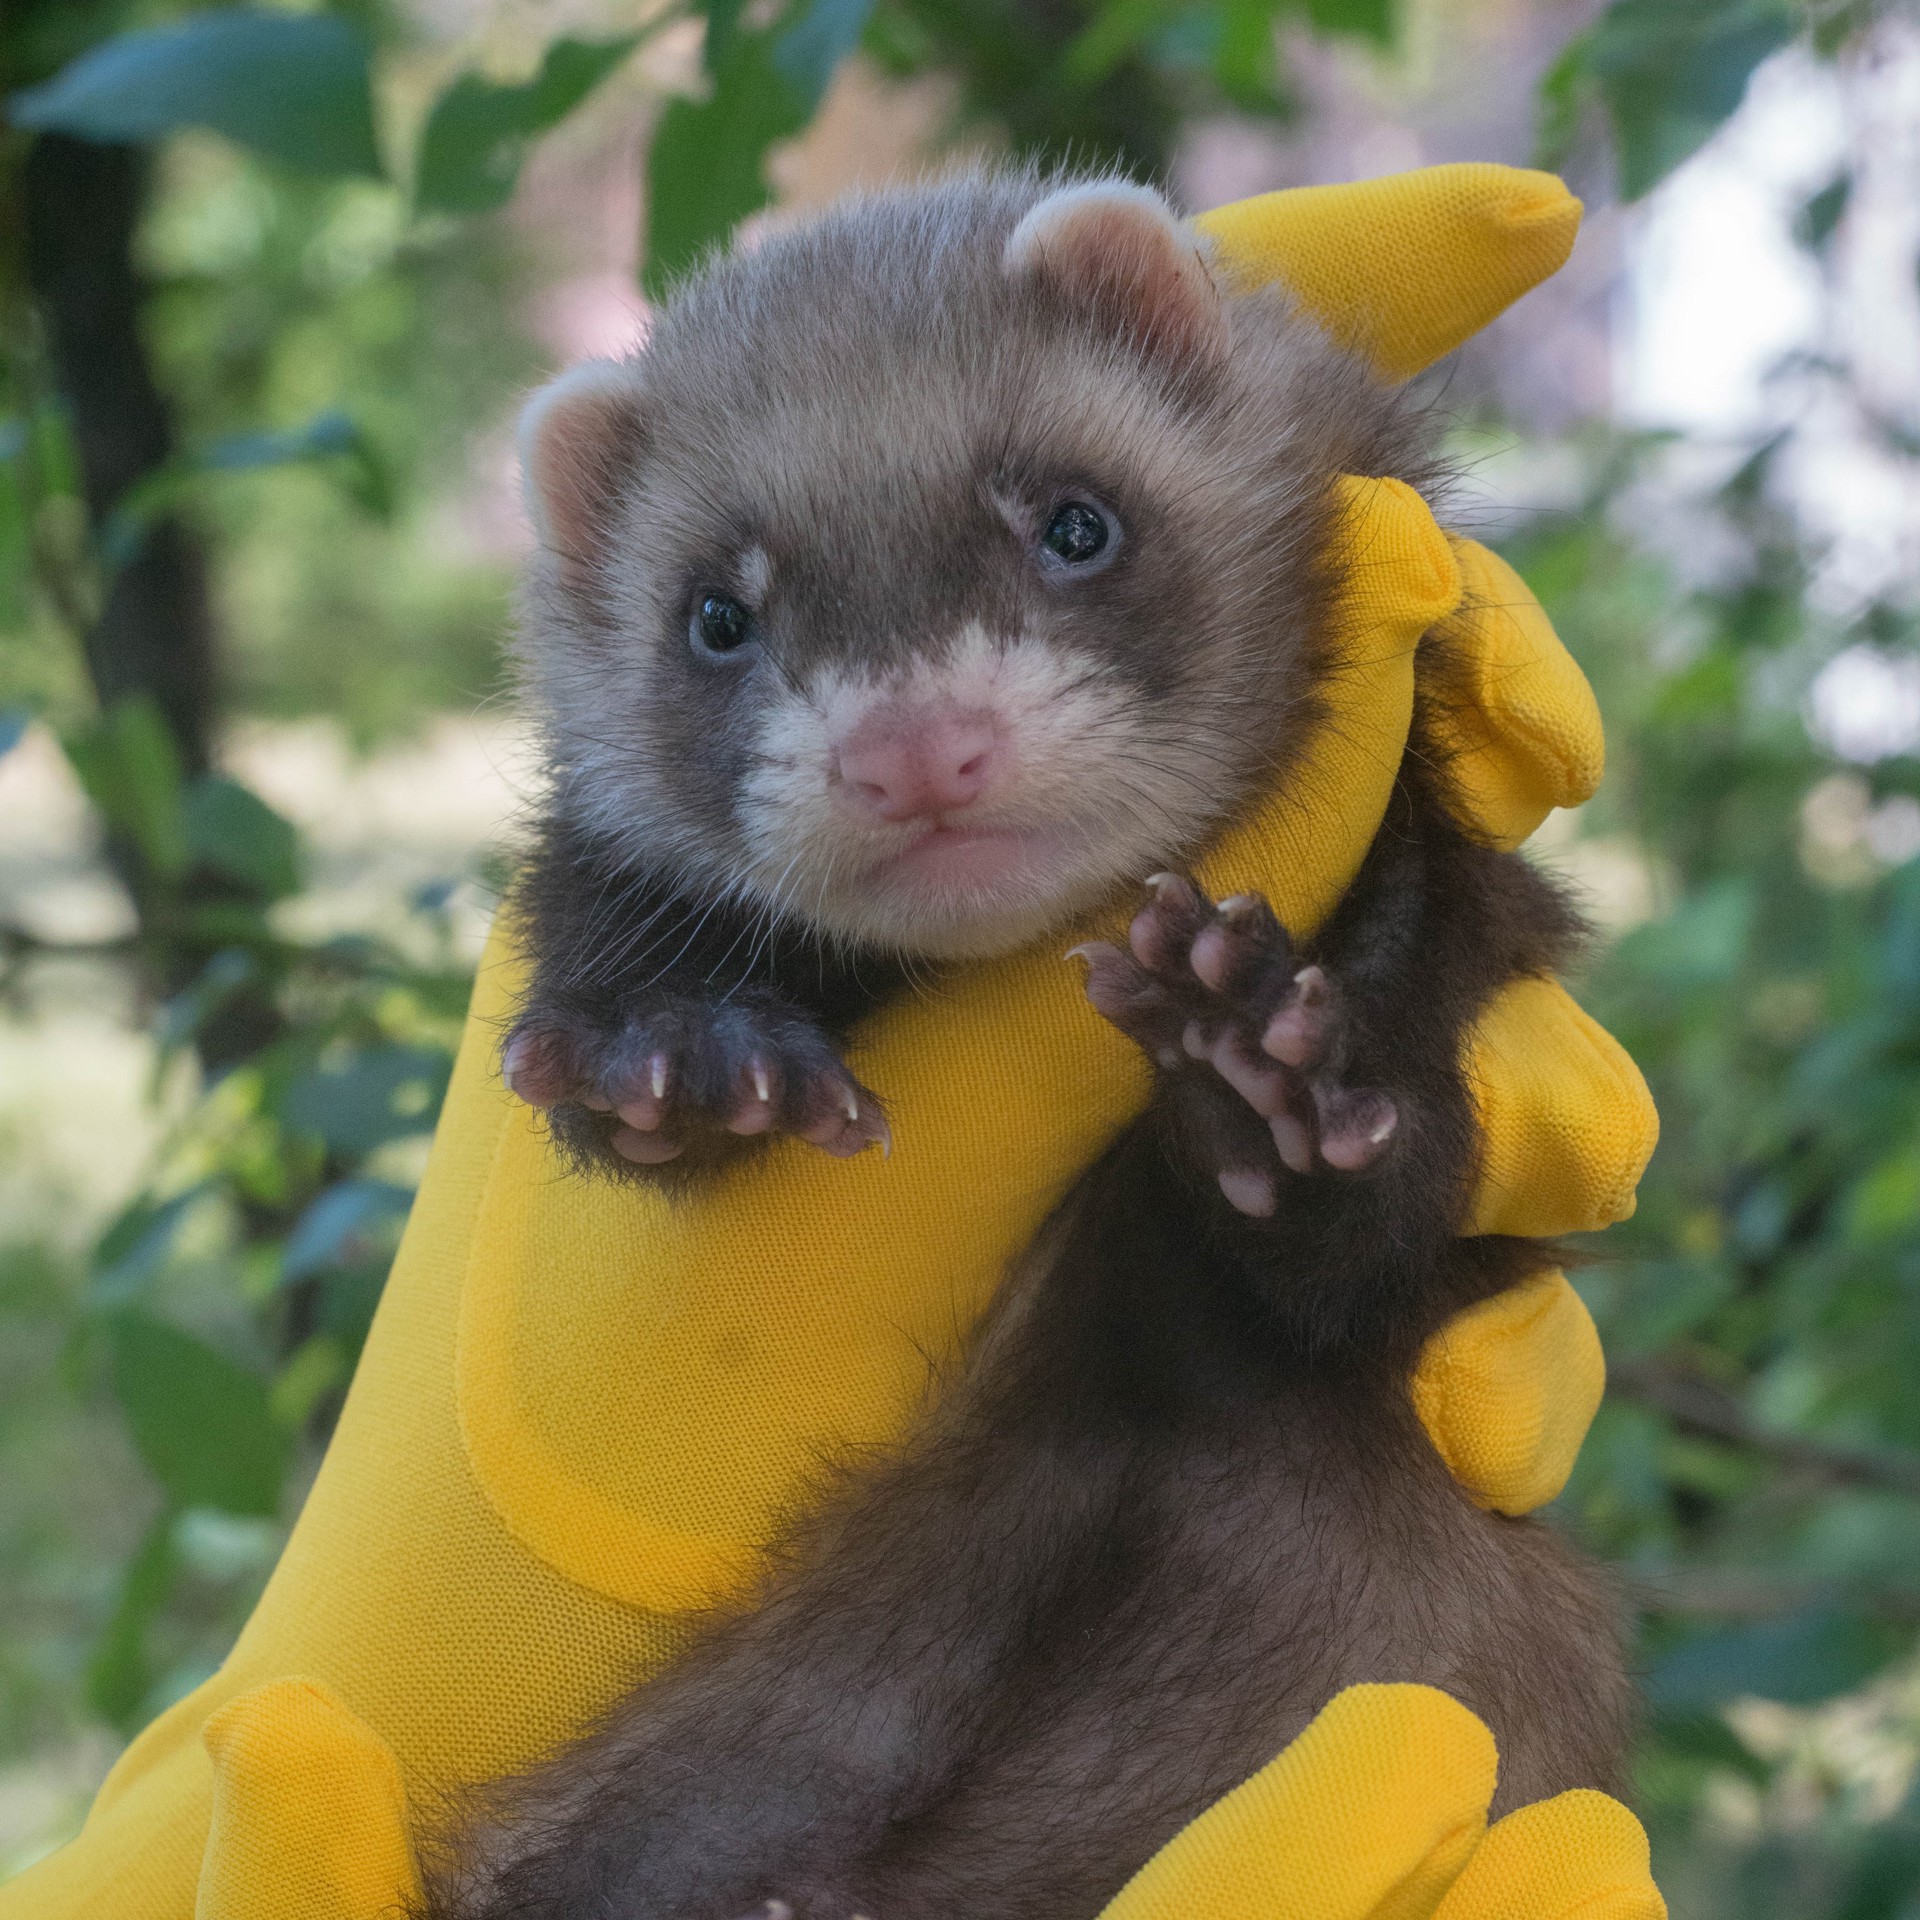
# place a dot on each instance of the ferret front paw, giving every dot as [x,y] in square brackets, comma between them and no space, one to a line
[688,1082]
[1218,998]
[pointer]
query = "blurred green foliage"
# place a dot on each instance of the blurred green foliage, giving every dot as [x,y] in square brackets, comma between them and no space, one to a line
[328,322]
[1758,1479]
[295,87]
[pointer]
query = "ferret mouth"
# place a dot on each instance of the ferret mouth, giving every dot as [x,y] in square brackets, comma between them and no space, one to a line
[978,866]
[954,888]
[958,890]
[954,853]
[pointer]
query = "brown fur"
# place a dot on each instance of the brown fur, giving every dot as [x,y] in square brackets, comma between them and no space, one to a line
[1177,1498]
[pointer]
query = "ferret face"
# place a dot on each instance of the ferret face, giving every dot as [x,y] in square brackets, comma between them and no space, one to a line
[942,567]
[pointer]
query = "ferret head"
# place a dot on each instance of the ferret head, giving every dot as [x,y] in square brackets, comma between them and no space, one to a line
[943,565]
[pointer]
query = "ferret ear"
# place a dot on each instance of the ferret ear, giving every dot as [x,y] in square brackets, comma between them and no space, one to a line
[1120,251]
[578,434]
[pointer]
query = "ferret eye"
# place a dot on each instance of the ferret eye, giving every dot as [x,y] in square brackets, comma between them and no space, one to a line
[720,624]
[1078,534]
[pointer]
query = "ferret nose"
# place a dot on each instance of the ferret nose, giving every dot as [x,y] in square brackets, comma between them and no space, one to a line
[904,769]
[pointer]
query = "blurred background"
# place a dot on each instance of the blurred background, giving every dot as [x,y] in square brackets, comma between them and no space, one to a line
[271,284]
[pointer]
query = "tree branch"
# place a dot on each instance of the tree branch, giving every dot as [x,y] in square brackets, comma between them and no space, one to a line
[1750,1593]
[81,202]
[1697,1406]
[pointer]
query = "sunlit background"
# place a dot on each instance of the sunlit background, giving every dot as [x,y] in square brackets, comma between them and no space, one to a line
[1701,444]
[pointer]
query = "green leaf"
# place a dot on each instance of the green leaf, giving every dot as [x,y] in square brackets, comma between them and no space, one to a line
[325,1233]
[1818,220]
[1702,943]
[476,136]
[326,433]
[1885,1877]
[232,830]
[1806,1657]
[331,435]
[1884,1203]
[294,87]
[201,1423]
[723,26]
[16,552]
[707,169]
[120,1676]
[812,45]
[1562,93]
[187,1012]
[139,1244]
[1375,20]
[1115,31]
[382,1094]
[128,764]
[1669,77]
[1243,53]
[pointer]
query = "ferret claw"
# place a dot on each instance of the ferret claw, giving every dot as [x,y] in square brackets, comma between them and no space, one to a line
[689,1082]
[1298,1031]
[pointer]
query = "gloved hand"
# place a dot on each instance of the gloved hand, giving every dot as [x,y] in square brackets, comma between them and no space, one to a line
[578,1409]
[1378,1811]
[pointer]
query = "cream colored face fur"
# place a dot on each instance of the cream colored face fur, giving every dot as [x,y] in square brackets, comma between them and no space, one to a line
[1083,798]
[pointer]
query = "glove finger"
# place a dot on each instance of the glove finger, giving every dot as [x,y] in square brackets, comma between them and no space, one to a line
[1369,1815]
[1507,705]
[1402,269]
[1578,1855]
[1567,1124]
[309,1813]
[1507,1390]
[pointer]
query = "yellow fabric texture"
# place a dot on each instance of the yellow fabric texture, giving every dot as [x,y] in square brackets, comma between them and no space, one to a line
[1378,1811]
[293,1743]
[1404,268]
[1578,1856]
[1513,713]
[1566,1121]
[1507,1390]
[577,1411]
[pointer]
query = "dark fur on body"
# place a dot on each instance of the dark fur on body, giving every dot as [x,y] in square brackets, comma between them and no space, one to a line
[1176,1499]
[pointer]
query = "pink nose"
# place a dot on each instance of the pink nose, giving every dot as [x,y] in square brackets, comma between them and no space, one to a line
[901,767]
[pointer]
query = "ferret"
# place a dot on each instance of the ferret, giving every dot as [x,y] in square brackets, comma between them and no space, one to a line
[938,570]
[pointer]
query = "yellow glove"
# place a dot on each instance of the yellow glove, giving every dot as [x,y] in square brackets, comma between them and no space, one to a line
[1378,1811]
[578,1410]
